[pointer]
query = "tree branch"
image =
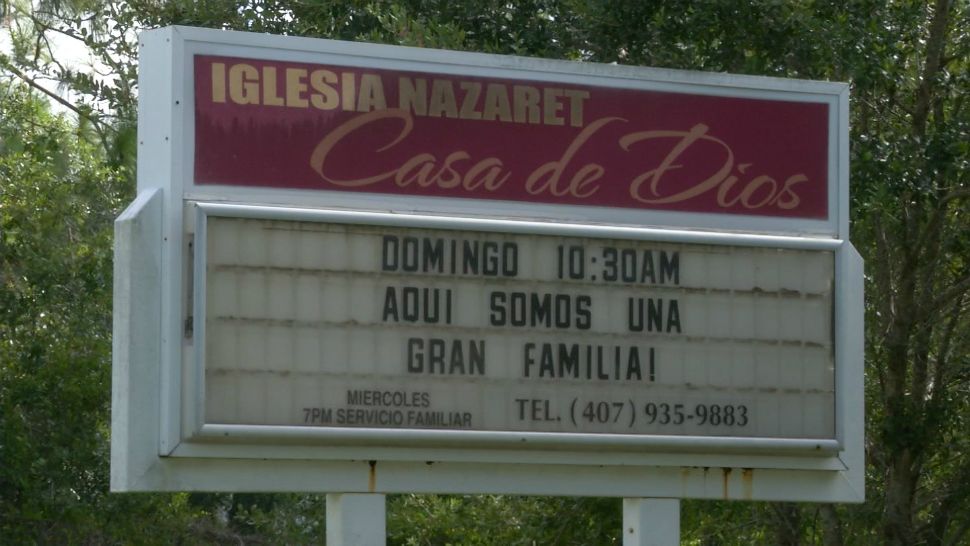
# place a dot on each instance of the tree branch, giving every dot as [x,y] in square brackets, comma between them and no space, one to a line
[943,351]
[956,290]
[54,96]
[883,269]
[934,62]
[954,499]
[44,26]
[957,536]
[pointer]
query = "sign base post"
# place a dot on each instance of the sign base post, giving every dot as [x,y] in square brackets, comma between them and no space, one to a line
[356,519]
[651,522]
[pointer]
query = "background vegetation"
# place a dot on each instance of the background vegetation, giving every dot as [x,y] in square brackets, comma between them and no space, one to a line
[63,178]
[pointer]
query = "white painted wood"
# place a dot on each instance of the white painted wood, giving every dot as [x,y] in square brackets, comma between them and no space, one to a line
[135,344]
[356,519]
[512,225]
[840,134]
[156,411]
[177,473]
[254,267]
[850,336]
[159,153]
[248,458]
[651,522]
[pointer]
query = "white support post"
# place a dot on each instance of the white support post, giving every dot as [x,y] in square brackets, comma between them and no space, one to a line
[356,520]
[651,522]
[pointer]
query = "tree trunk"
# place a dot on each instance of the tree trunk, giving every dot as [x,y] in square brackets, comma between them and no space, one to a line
[787,518]
[900,494]
[831,526]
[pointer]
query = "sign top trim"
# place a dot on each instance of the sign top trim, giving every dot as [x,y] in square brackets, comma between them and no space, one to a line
[461,61]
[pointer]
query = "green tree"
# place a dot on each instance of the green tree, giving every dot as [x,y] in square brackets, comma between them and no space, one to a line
[911,157]
[58,199]
[907,62]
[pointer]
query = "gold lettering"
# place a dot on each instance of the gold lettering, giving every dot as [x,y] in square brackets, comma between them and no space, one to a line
[320,153]
[725,187]
[348,91]
[546,178]
[270,93]
[218,82]
[472,90]
[791,198]
[526,101]
[296,87]
[371,94]
[551,107]
[758,192]
[442,100]
[722,192]
[413,95]
[497,103]
[582,184]
[448,177]
[576,98]
[326,97]
[426,163]
[697,132]
[492,168]
[755,185]
[244,84]
[422,169]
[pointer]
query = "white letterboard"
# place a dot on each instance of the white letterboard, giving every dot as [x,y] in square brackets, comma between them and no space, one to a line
[316,324]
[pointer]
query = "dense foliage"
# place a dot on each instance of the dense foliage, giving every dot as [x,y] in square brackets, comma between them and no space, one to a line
[62,180]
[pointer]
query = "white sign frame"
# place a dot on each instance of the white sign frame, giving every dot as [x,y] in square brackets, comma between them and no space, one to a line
[159,444]
[493,439]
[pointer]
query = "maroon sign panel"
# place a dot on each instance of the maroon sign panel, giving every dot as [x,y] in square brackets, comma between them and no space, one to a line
[314,127]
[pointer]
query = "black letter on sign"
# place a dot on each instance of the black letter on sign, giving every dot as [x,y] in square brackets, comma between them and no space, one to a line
[389,253]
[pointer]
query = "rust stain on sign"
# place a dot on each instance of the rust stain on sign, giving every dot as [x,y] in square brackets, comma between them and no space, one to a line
[747,483]
[684,480]
[372,477]
[725,478]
